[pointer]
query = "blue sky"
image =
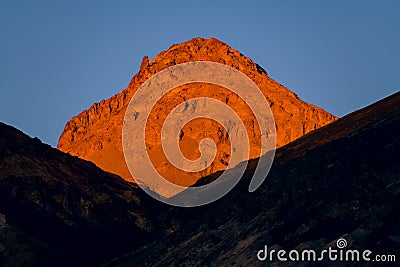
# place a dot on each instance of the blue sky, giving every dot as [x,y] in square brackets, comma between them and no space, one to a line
[59,57]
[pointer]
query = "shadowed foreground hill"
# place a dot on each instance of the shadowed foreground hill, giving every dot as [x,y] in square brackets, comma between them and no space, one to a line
[59,210]
[340,180]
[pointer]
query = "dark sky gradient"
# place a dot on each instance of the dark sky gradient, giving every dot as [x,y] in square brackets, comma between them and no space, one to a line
[59,57]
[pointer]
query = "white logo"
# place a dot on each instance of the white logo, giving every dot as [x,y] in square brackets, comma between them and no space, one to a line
[341,243]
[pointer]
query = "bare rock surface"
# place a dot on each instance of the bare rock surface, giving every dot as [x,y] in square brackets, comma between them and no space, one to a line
[96,133]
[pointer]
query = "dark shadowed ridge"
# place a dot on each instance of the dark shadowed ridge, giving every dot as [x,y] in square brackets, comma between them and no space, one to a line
[59,210]
[340,180]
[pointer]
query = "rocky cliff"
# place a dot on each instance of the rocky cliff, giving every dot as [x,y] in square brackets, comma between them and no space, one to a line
[95,134]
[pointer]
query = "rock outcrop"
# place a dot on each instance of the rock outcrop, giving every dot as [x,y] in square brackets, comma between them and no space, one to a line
[95,134]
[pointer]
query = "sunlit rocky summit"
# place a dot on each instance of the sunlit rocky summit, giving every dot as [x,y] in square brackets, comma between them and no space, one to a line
[95,134]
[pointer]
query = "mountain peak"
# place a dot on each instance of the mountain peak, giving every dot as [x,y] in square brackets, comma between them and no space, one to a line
[96,133]
[197,49]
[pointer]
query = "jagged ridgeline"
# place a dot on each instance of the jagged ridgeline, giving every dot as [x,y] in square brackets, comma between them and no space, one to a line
[95,134]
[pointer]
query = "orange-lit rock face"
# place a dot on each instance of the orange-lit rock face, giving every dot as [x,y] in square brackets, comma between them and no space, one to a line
[196,130]
[95,134]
